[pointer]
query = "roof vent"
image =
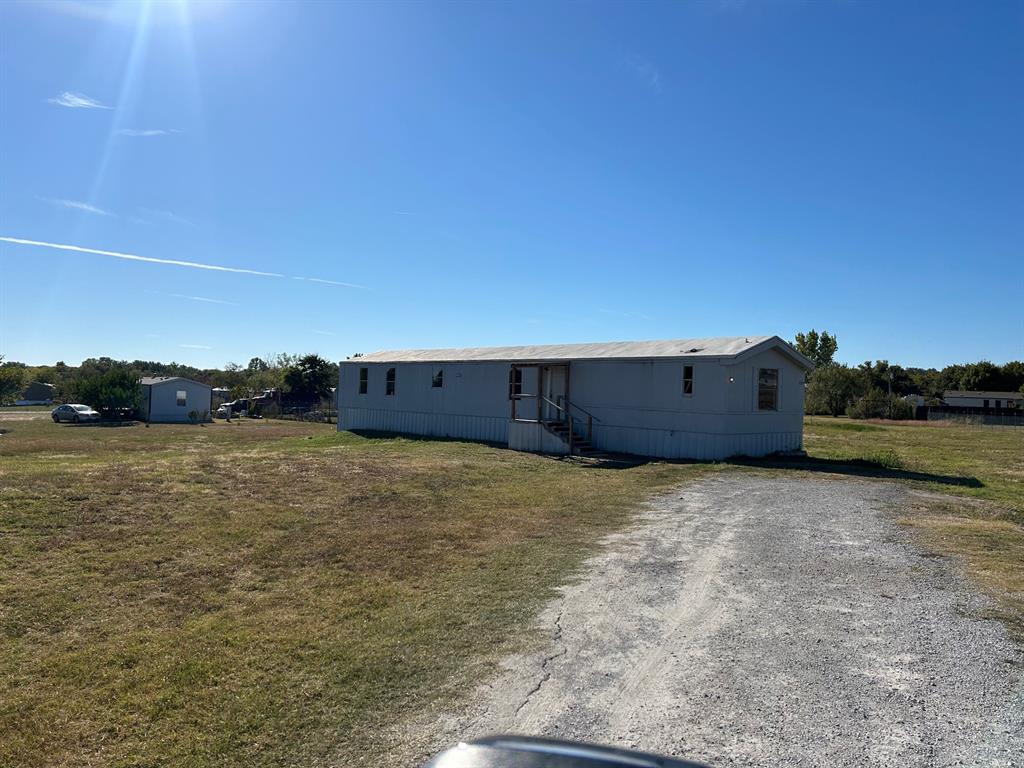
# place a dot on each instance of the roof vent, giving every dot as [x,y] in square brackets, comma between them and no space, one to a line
[693,349]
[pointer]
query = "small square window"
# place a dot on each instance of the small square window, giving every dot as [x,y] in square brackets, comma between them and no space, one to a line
[389,382]
[515,382]
[364,379]
[768,389]
[182,398]
[438,381]
[687,379]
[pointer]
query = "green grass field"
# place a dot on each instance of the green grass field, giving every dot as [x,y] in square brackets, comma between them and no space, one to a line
[977,462]
[274,593]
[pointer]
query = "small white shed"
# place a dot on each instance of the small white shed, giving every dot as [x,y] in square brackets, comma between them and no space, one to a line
[688,398]
[170,399]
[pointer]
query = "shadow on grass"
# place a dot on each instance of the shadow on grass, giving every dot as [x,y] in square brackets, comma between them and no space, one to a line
[856,467]
[372,434]
[101,423]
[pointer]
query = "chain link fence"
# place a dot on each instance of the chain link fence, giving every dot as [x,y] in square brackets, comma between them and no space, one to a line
[982,417]
[324,412]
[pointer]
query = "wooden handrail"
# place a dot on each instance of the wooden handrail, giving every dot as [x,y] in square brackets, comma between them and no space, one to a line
[552,403]
[580,408]
[567,415]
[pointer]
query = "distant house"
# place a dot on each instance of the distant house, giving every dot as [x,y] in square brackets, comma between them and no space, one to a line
[964,399]
[37,393]
[703,398]
[170,399]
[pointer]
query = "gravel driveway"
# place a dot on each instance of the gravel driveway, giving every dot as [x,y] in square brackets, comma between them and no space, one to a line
[752,620]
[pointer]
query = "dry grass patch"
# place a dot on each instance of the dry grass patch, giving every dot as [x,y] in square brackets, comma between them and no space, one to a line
[986,539]
[268,593]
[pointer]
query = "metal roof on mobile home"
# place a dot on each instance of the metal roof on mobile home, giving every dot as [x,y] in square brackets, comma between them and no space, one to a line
[720,347]
[989,395]
[149,381]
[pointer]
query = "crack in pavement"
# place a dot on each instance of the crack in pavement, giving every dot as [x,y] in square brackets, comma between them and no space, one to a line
[545,672]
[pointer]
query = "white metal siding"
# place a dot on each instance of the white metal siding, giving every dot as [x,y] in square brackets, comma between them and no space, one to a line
[534,437]
[160,402]
[979,401]
[489,429]
[639,405]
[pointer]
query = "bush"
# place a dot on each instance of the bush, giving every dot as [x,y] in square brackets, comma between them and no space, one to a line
[876,404]
[886,458]
[113,393]
[199,417]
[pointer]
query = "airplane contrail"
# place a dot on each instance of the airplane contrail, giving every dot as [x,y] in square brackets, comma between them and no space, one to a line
[154,260]
[133,257]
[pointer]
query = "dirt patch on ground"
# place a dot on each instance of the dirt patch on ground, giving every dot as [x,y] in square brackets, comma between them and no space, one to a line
[756,621]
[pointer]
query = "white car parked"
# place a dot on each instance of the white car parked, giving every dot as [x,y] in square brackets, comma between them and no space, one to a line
[74,412]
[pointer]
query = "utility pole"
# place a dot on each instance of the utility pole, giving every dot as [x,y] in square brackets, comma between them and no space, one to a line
[890,394]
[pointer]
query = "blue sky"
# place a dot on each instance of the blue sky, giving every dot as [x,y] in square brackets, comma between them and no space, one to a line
[476,174]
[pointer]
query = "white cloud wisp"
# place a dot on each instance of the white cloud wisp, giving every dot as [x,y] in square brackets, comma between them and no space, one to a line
[77,101]
[146,131]
[78,205]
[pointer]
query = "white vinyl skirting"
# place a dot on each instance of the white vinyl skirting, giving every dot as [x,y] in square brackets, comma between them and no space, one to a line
[662,443]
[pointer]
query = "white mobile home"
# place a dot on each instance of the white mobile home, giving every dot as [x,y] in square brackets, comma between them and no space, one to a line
[963,399]
[171,399]
[689,398]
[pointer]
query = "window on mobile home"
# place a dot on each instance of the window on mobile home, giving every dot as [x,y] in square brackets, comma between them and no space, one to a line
[768,389]
[515,382]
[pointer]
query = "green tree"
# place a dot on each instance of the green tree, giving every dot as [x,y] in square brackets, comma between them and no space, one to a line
[310,378]
[831,389]
[12,381]
[114,391]
[926,382]
[876,404]
[819,347]
[882,375]
[1013,376]
[980,376]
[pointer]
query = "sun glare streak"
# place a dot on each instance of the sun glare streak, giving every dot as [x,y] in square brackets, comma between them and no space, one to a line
[206,190]
[126,94]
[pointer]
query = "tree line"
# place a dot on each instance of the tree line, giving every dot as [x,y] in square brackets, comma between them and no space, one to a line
[875,389]
[107,384]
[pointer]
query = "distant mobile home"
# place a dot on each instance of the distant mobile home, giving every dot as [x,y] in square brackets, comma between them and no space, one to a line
[963,399]
[36,393]
[689,398]
[170,399]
